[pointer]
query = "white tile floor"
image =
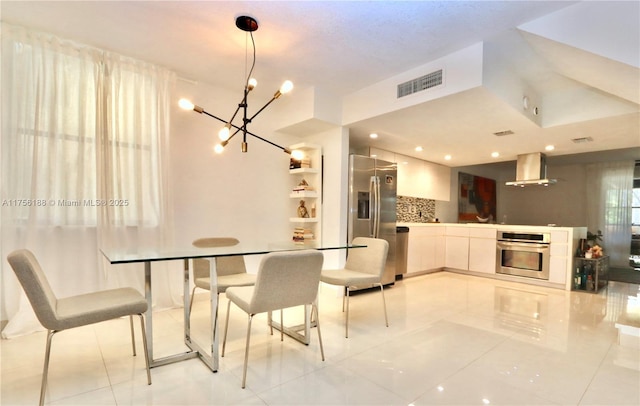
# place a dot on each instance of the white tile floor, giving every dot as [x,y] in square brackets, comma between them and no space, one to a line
[453,339]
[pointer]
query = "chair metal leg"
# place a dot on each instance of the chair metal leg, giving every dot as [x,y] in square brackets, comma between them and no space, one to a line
[346,331]
[226,327]
[314,307]
[384,305]
[144,344]
[191,301]
[246,352]
[133,337]
[45,369]
[281,326]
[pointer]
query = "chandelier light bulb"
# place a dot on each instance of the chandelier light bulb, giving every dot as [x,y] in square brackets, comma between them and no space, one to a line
[286,87]
[297,154]
[252,83]
[218,148]
[185,104]
[224,133]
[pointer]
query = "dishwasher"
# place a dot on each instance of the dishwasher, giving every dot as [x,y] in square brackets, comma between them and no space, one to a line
[402,248]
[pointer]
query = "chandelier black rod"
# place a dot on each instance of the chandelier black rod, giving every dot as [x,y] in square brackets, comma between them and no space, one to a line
[244,130]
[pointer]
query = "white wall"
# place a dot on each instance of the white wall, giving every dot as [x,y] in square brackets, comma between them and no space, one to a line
[563,204]
[462,70]
[230,194]
[245,194]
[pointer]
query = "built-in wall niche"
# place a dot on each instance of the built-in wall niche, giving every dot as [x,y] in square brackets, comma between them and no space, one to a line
[415,210]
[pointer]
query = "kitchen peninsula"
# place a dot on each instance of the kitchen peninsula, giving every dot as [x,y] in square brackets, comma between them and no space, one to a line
[472,249]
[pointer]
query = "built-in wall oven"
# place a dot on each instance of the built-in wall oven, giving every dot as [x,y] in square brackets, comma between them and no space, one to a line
[523,254]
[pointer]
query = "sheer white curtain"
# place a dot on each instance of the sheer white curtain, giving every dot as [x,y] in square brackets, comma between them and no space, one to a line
[609,201]
[81,127]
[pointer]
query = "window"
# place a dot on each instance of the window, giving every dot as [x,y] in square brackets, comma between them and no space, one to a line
[83,132]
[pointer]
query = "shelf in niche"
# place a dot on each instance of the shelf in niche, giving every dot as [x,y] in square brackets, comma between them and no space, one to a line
[303,219]
[308,194]
[303,170]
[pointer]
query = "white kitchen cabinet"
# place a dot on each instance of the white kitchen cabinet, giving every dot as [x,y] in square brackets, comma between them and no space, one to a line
[456,231]
[422,179]
[482,250]
[560,237]
[457,252]
[558,269]
[436,181]
[426,248]
[408,176]
[560,256]
[457,248]
[436,247]
[418,178]
[471,249]
[415,249]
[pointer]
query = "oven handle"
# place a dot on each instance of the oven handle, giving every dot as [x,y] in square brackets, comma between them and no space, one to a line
[507,244]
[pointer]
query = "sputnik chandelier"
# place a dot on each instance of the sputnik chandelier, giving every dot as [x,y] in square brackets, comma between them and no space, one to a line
[249,25]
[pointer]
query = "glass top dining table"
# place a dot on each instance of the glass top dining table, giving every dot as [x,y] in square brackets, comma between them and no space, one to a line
[187,253]
[132,255]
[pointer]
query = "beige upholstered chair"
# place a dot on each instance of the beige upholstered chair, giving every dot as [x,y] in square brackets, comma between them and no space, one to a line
[62,314]
[231,271]
[285,279]
[364,266]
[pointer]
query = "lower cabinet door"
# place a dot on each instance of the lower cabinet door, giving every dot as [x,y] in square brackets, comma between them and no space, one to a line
[457,252]
[482,255]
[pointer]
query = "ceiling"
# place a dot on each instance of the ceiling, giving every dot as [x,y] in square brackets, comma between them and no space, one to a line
[344,46]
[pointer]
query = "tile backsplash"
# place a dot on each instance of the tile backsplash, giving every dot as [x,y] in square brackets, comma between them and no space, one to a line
[415,210]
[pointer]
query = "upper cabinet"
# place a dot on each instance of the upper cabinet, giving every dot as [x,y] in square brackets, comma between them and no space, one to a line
[418,178]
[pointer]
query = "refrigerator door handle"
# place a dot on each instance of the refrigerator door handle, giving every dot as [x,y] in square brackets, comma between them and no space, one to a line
[372,206]
[376,218]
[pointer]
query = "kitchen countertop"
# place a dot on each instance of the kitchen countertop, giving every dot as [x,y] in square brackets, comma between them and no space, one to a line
[507,227]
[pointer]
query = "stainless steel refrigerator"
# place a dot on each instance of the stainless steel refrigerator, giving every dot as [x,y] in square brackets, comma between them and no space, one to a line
[372,204]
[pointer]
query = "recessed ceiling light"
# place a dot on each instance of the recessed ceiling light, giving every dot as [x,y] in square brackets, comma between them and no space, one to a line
[549,148]
[495,154]
[447,157]
[418,149]
[373,135]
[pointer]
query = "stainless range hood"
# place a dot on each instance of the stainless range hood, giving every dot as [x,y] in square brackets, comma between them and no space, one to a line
[531,169]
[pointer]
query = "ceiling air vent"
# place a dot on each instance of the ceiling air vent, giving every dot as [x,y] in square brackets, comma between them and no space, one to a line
[425,82]
[503,133]
[582,140]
